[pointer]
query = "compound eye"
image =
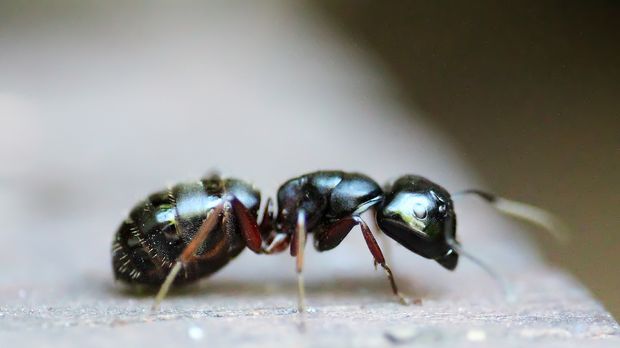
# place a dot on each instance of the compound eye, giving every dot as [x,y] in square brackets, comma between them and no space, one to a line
[419,209]
[442,209]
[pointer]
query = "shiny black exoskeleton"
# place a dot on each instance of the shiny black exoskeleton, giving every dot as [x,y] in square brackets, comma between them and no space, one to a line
[326,198]
[160,229]
[194,229]
[413,211]
[419,215]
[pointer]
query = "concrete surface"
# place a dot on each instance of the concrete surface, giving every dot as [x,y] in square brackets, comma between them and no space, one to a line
[95,116]
[553,311]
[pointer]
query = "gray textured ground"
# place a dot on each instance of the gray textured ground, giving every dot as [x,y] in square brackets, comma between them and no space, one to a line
[552,310]
[101,107]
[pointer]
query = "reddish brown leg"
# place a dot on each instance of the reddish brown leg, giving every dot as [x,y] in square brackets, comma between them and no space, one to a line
[248,225]
[203,232]
[334,234]
[385,244]
[188,253]
[294,245]
[375,250]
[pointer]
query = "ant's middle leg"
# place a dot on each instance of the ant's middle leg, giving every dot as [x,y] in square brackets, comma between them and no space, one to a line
[333,235]
[298,243]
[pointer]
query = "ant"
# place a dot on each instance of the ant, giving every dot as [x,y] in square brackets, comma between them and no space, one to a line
[192,230]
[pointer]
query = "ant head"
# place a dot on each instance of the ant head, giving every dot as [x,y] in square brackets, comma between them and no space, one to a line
[294,196]
[419,214]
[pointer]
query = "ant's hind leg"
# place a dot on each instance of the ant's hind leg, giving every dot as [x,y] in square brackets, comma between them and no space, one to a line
[249,227]
[188,253]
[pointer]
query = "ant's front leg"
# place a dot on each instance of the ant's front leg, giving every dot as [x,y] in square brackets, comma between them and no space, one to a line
[333,235]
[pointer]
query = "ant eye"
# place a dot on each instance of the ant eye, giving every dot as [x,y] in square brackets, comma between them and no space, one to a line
[420,211]
[442,209]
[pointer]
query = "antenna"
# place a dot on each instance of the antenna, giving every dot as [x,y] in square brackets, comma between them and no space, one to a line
[507,288]
[527,212]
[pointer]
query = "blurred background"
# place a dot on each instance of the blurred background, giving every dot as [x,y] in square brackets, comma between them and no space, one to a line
[101,102]
[530,92]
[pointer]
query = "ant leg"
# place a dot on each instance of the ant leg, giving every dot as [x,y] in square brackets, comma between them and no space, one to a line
[278,244]
[334,234]
[165,287]
[387,247]
[255,233]
[532,214]
[275,242]
[266,224]
[297,249]
[375,250]
[249,227]
[188,253]
[385,240]
[507,288]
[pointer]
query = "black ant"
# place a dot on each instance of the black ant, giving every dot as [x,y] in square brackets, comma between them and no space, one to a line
[195,228]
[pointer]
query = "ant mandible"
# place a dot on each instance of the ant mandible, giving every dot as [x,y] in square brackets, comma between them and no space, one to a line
[194,229]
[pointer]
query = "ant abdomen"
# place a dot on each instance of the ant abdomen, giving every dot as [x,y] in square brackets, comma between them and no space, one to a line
[158,229]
